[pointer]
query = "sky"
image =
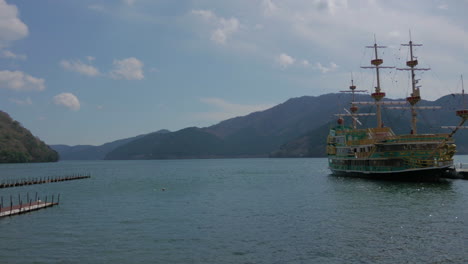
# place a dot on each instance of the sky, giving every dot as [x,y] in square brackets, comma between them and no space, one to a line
[94,71]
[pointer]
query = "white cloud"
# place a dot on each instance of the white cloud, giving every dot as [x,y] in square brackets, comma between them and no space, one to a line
[284,60]
[227,27]
[354,20]
[68,100]
[128,69]
[227,110]
[206,14]
[80,67]
[11,27]
[269,8]
[26,101]
[224,27]
[324,69]
[10,55]
[19,81]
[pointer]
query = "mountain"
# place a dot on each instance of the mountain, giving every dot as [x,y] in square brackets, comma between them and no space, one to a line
[295,128]
[254,135]
[186,143]
[89,152]
[18,144]
[312,144]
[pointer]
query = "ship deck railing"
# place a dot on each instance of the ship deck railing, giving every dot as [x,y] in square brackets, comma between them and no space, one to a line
[417,138]
[399,139]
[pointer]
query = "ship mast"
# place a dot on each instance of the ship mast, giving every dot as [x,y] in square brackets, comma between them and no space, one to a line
[354,108]
[378,94]
[462,113]
[415,94]
[463,92]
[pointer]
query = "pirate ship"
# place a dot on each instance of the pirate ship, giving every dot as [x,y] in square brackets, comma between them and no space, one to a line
[378,152]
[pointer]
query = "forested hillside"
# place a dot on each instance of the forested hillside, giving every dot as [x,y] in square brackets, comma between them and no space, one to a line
[17,144]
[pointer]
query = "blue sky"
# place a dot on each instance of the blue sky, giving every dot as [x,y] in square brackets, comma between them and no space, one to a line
[93,71]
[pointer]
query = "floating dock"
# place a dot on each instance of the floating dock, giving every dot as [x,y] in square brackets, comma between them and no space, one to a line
[25,208]
[23,182]
[30,205]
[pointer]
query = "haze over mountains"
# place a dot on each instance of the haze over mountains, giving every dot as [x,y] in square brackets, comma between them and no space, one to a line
[295,128]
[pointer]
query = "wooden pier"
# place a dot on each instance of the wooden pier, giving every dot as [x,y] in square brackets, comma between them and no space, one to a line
[21,209]
[22,182]
[30,206]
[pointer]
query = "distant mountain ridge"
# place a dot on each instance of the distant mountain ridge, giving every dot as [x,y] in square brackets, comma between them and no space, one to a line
[295,128]
[301,122]
[253,135]
[18,144]
[90,152]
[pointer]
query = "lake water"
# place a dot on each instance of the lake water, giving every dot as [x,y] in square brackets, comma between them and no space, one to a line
[233,211]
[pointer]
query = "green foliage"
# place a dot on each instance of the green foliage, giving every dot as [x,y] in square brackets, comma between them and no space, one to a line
[9,156]
[18,145]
